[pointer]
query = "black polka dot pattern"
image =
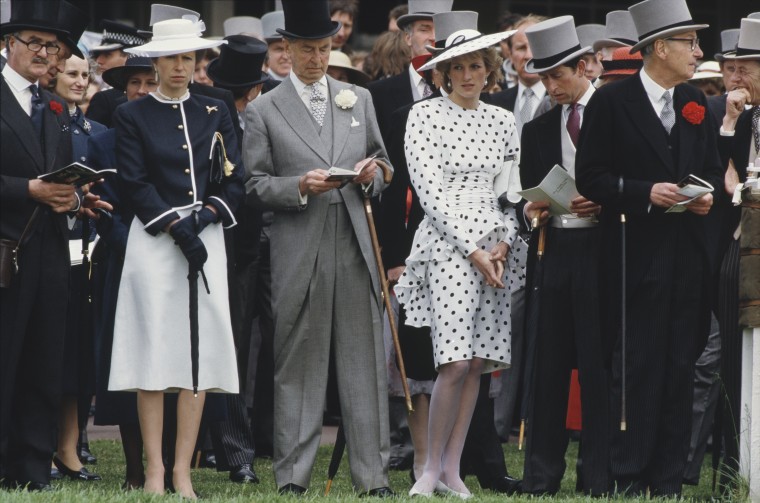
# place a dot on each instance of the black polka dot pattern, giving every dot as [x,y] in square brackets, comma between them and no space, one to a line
[454,157]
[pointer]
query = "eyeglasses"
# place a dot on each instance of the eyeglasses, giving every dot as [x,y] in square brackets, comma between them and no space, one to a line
[50,47]
[694,42]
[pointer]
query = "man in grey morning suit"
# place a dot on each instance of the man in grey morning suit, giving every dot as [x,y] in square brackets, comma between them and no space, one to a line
[325,287]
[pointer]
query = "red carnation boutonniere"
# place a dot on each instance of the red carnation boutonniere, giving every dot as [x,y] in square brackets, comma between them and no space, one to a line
[693,112]
[56,107]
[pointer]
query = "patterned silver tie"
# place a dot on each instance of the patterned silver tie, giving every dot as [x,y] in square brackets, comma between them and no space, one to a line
[318,103]
[668,116]
[526,108]
[427,90]
[756,128]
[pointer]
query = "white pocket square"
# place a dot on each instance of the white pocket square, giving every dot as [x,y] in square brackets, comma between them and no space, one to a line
[354,122]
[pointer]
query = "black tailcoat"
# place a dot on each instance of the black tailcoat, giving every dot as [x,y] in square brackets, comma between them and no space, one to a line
[388,95]
[667,271]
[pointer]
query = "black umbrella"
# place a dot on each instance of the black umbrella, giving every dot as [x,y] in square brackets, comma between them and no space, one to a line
[623,423]
[192,277]
[337,455]
[531,332]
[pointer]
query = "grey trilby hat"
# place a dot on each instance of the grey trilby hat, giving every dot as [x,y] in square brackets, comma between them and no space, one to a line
[748,46]
[269,24]
[659,19]
[447,23]
[618,32]
[423,9]
[243,25]
[590,33]
[552,43]
[728,41]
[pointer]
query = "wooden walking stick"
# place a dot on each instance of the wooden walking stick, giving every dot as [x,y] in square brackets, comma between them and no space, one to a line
[387,175]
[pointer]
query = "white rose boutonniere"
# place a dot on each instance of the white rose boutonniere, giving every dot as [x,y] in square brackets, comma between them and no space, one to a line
[346,99]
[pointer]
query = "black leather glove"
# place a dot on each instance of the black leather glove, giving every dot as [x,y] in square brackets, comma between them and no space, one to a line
[185,236]
[206,217]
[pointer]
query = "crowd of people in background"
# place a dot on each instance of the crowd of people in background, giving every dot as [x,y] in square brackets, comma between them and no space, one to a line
[195,267]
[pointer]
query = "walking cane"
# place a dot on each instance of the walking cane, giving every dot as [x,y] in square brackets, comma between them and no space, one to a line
[623,424]
[531,319]
[387,175]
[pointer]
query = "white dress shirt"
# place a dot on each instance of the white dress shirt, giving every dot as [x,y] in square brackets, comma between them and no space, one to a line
[20,88]
[417,83]
[654,92]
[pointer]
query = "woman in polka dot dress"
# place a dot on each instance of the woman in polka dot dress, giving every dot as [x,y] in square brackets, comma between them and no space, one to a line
[462,156]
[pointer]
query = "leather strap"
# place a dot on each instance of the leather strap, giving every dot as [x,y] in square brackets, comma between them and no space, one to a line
[26,230]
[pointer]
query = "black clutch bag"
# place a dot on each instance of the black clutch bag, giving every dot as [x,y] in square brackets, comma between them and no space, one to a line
[221,167]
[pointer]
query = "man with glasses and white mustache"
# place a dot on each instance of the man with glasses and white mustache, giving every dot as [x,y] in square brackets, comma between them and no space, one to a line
[640,137]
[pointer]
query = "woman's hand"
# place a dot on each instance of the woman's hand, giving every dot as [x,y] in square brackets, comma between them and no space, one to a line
[498,256]
[491,271]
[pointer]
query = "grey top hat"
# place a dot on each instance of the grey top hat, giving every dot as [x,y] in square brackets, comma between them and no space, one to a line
[552,43]
[423,9]
[5,11]
[618,32]
[447,23]
[161,12]
[754,15]
[659,19]
[269,24]
[748,46]
[728,41]
[590,33]
[244,25]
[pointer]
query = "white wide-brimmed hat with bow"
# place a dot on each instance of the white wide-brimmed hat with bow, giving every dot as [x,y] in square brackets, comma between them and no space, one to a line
[464,42]
[748,46]
[660,19]
[175,36]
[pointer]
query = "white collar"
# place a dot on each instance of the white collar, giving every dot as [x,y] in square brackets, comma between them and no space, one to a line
[163,99]
[583,101]
[652,88]
[416,77]
[538,90]
[300,86]
[15,80]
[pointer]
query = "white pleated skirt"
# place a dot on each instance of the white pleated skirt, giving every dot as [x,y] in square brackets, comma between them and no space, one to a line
[151,345]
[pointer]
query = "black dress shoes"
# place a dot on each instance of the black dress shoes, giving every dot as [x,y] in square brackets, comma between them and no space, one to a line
[291,490]
[83,474]
[506,485]
[28,486]
[85,456]
[379,492]
[244,474]
[55,473]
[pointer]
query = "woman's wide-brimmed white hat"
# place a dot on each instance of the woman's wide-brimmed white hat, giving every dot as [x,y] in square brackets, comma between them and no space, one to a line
[660,19]
[748,46]
[707,70]
[464,42]
[553,42]
[175,36]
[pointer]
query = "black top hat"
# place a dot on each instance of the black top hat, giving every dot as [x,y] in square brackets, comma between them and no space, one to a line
[118,36]
[239,63]
[118,76]
[309,19]
[37,15]
[74,21]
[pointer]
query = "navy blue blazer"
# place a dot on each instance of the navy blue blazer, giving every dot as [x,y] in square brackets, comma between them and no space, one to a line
[163,153]
[81,131]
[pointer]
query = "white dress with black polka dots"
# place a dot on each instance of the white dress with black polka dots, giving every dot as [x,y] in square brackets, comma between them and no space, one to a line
[460,161]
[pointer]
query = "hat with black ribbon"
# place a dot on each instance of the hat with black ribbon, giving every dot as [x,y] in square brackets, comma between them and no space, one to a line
[622,63]
[447,23]
[464,42]
[270,22]
[423,10]
[239,63]
[117,77]
[117,36]
[552,43]
[660,19]
[308,19]
[728,41]
[748,46]
[619,31]
[588,34]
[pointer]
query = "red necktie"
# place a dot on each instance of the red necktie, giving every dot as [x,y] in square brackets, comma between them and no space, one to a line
[574,123]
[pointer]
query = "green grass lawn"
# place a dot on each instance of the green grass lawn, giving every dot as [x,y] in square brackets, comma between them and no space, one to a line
[214,486]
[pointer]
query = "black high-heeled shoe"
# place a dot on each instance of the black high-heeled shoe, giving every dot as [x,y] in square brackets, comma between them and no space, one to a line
[83,474]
